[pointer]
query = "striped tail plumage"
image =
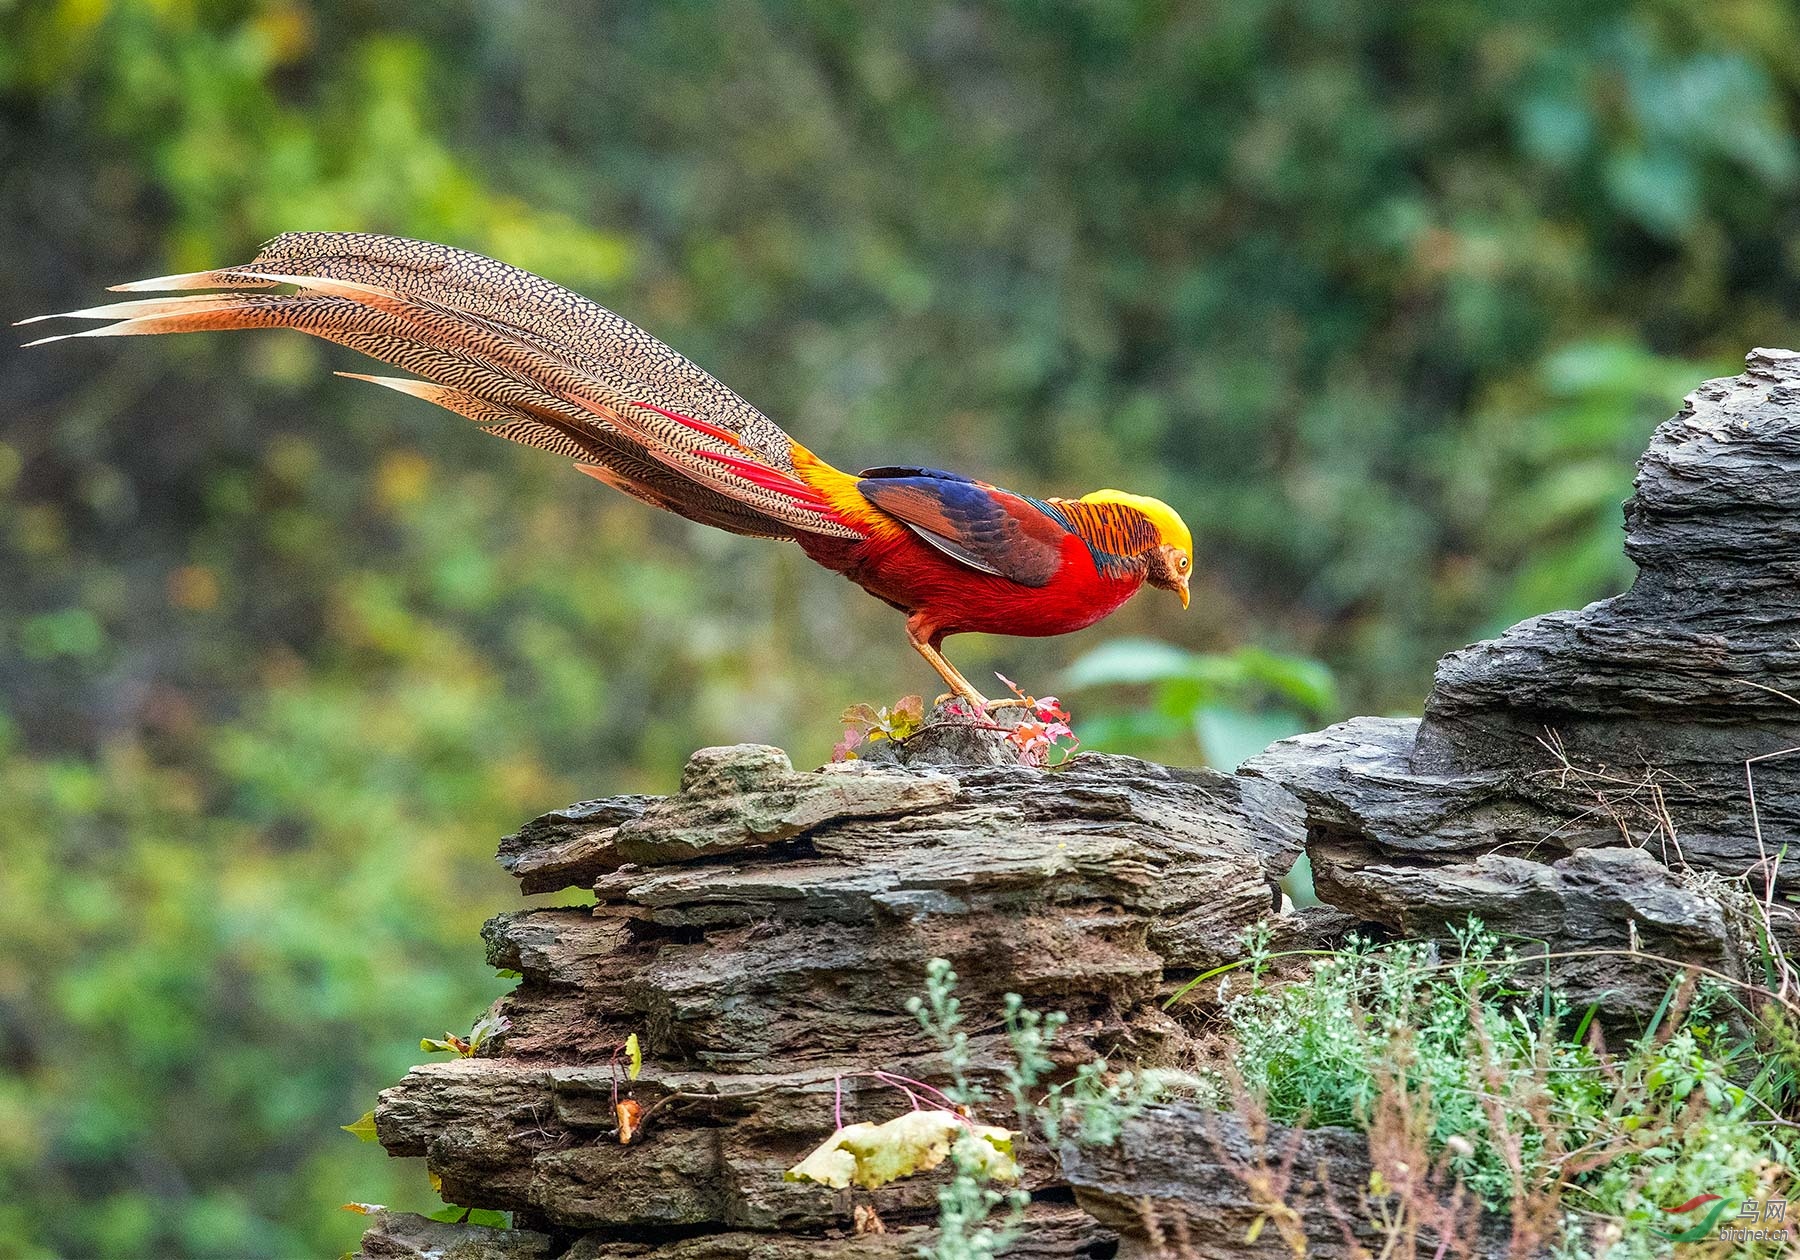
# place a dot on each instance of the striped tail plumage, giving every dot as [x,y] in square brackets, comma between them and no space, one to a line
[523,358]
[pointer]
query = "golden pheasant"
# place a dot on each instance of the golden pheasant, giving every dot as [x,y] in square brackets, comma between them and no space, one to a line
[530,361]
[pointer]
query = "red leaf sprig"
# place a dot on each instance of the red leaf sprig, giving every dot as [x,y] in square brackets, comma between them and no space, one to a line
[1045,732]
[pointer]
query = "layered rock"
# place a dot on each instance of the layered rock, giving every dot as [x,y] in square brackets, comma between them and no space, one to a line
[760,932]
[1624,726]
[1578,783]
[1054,1234]
[1183,1181]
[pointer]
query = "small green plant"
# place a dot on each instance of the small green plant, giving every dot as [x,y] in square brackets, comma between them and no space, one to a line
[899,721]
[966,1201]
[489,1027]
[1042,732]
[1513,1097]
[363,1127]
[1093,1104]
[1031,1034]
[1475,1091]
[449,1213]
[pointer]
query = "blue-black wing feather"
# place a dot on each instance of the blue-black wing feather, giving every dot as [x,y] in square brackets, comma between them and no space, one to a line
[988,529]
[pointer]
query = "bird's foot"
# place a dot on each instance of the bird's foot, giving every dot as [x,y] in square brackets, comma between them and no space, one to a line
[980,701]
[973,698]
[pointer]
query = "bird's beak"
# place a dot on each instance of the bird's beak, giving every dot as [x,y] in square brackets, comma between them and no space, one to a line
[1182,591]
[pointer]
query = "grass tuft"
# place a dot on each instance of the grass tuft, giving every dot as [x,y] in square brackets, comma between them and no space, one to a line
[1473,1088]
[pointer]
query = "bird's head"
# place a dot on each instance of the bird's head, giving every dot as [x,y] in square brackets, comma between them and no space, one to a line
[1171,559]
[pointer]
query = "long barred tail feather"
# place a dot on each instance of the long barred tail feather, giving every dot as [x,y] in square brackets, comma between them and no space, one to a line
[523,358]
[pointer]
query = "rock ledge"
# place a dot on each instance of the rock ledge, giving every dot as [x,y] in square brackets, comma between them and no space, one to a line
[759,931]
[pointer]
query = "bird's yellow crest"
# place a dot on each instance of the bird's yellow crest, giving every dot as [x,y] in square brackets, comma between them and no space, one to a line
[1169,525]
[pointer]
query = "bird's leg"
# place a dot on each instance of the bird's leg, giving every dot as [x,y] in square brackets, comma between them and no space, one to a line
[919,635]
[959,685]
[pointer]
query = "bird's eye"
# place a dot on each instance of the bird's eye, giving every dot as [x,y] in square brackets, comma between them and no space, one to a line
[1182,564]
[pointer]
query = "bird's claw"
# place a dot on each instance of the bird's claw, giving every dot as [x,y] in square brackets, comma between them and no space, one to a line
[980,702]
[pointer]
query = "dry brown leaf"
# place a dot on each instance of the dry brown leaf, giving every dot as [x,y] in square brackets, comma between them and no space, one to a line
[631,1115]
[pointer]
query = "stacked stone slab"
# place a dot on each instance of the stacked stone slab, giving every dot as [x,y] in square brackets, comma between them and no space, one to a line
[760,932]
[1569,778]
[1186,1183]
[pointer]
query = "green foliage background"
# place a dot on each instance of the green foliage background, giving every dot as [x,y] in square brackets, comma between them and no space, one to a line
[1384,297]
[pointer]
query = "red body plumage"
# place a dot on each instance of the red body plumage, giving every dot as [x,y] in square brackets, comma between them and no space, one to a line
[947,598]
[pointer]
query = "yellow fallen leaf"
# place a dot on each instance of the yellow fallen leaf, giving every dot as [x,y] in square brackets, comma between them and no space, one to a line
[871,1155]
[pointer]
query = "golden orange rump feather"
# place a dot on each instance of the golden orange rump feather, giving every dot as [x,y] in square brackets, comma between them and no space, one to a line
[530,361]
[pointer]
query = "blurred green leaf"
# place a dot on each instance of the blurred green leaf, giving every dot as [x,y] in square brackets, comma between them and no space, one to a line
[1234,704]
[1130,661]
[72,632]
